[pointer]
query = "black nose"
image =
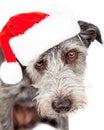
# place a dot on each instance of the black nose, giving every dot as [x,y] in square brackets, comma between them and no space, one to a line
[62,105]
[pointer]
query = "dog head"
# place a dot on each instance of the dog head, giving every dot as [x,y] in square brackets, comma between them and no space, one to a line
[59,73]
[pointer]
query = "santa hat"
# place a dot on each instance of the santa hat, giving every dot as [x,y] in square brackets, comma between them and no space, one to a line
[29,34]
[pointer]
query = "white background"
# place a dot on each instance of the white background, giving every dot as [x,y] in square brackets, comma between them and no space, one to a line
[92,118]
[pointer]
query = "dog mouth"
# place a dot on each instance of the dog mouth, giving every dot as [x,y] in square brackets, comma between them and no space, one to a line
[28,117]
[25,117]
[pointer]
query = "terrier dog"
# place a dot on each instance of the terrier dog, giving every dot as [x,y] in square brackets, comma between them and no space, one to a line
[52,87]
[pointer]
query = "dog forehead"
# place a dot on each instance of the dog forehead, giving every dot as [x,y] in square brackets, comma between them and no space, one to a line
[55,57]
[74,42]
[65,46]
[54,62]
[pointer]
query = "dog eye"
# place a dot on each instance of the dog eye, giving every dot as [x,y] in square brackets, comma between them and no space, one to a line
[71,56]
[41,65]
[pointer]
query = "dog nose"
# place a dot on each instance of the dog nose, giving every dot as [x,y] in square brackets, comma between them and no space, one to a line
[62,105]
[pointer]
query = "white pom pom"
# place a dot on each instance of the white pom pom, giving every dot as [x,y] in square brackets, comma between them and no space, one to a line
[11,73]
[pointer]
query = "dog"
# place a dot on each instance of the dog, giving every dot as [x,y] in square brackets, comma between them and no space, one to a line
[52,87]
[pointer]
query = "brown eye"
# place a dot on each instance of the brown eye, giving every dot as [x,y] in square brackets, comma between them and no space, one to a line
[41,65]
[71,56]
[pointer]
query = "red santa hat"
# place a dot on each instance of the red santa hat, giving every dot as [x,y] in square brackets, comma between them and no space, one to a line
[29,34]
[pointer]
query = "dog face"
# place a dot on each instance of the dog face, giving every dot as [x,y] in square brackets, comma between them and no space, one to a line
[59,73]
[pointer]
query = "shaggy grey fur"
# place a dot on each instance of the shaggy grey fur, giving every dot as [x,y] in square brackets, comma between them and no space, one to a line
[57,80]
[60,80]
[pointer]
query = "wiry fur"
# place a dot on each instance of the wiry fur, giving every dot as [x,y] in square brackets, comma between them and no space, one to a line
[11,94]
[60,80]
[56,81]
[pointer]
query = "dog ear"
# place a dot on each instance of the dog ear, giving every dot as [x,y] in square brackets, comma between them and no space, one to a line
[89,33]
